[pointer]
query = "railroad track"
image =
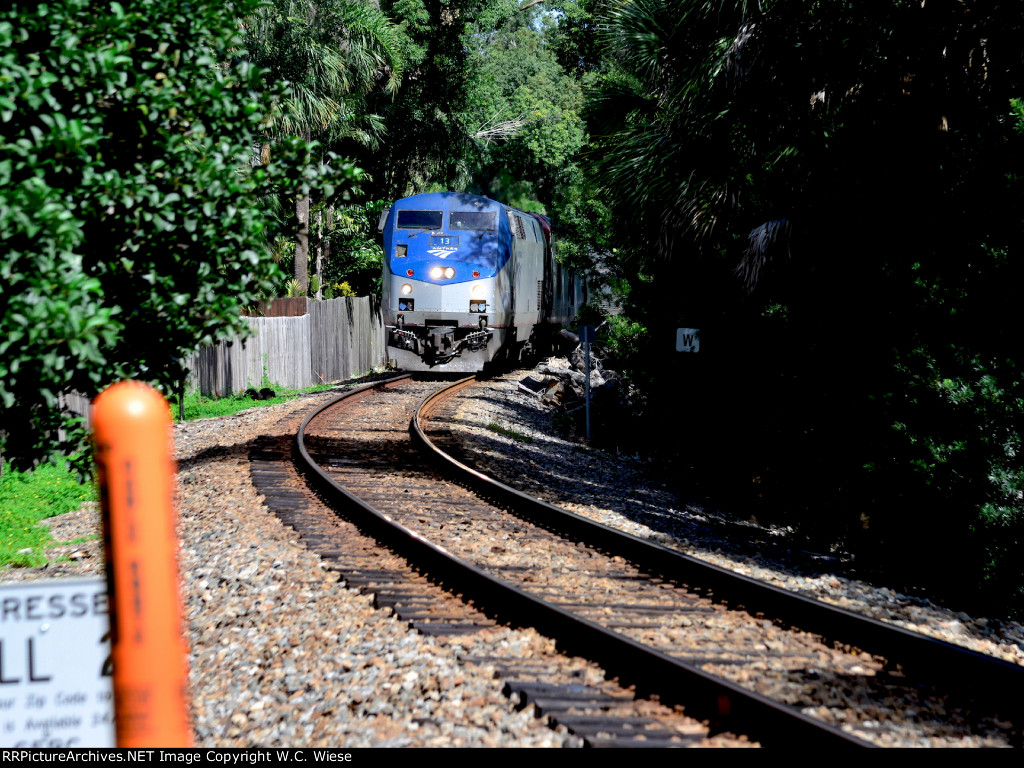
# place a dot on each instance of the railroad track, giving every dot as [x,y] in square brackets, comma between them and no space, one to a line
[652,618]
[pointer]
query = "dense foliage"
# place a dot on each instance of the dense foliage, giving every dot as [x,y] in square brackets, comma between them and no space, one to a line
[131,221]
[324,57]
[832,193]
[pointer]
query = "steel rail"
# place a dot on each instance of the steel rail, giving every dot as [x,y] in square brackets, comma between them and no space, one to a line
[989,680]
[725,705]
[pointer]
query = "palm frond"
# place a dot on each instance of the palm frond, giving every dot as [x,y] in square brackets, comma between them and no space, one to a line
[767,242]
[325,54]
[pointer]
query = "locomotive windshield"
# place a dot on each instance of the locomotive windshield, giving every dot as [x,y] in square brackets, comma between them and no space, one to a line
[479,220]
[422,230]
[419,219]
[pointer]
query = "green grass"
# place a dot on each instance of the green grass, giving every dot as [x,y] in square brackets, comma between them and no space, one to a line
[201,407]
[509,433]
[28,497]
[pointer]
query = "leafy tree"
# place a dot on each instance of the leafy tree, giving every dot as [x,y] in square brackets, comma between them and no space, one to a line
[359,255]
[524,111]
[573,36]
[429,144]
[130,217]
[327,55]
[832,193]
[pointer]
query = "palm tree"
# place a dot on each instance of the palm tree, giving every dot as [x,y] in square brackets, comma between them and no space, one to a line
[328,55]
[662,116]
[756,122]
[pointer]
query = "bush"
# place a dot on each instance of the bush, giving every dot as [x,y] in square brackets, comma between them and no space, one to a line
[130,213]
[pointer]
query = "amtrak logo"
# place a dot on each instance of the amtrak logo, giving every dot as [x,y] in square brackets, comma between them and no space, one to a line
[442,253]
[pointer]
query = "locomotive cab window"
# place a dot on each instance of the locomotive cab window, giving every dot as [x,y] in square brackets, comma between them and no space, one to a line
[419,219]
[478,220]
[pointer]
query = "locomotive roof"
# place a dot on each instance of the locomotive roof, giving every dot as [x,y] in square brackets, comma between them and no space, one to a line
[434,200]
[430,200]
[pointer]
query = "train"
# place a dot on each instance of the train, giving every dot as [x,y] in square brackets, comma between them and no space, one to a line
[469,281]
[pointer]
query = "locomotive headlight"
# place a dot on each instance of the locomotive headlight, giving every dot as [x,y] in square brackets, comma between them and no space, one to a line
[478,289]
[406,289]
[449,272]
[436,273]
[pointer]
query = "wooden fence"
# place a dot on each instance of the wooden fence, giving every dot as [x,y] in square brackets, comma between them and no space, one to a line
[333,340]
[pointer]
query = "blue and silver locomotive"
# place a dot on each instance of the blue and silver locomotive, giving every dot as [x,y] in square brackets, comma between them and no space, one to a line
[468,280]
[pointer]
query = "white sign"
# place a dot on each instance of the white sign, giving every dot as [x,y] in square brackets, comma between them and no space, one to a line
[687,340]
[55,684]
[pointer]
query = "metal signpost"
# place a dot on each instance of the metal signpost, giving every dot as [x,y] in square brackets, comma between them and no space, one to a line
[587,334]
[55,684]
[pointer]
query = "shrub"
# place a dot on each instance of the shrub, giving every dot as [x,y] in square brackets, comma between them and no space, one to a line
[130,213]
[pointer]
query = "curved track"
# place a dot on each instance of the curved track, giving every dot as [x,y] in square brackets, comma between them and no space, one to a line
[652,625]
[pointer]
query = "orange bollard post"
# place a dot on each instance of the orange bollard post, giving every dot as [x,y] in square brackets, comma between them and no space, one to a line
[132,436]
